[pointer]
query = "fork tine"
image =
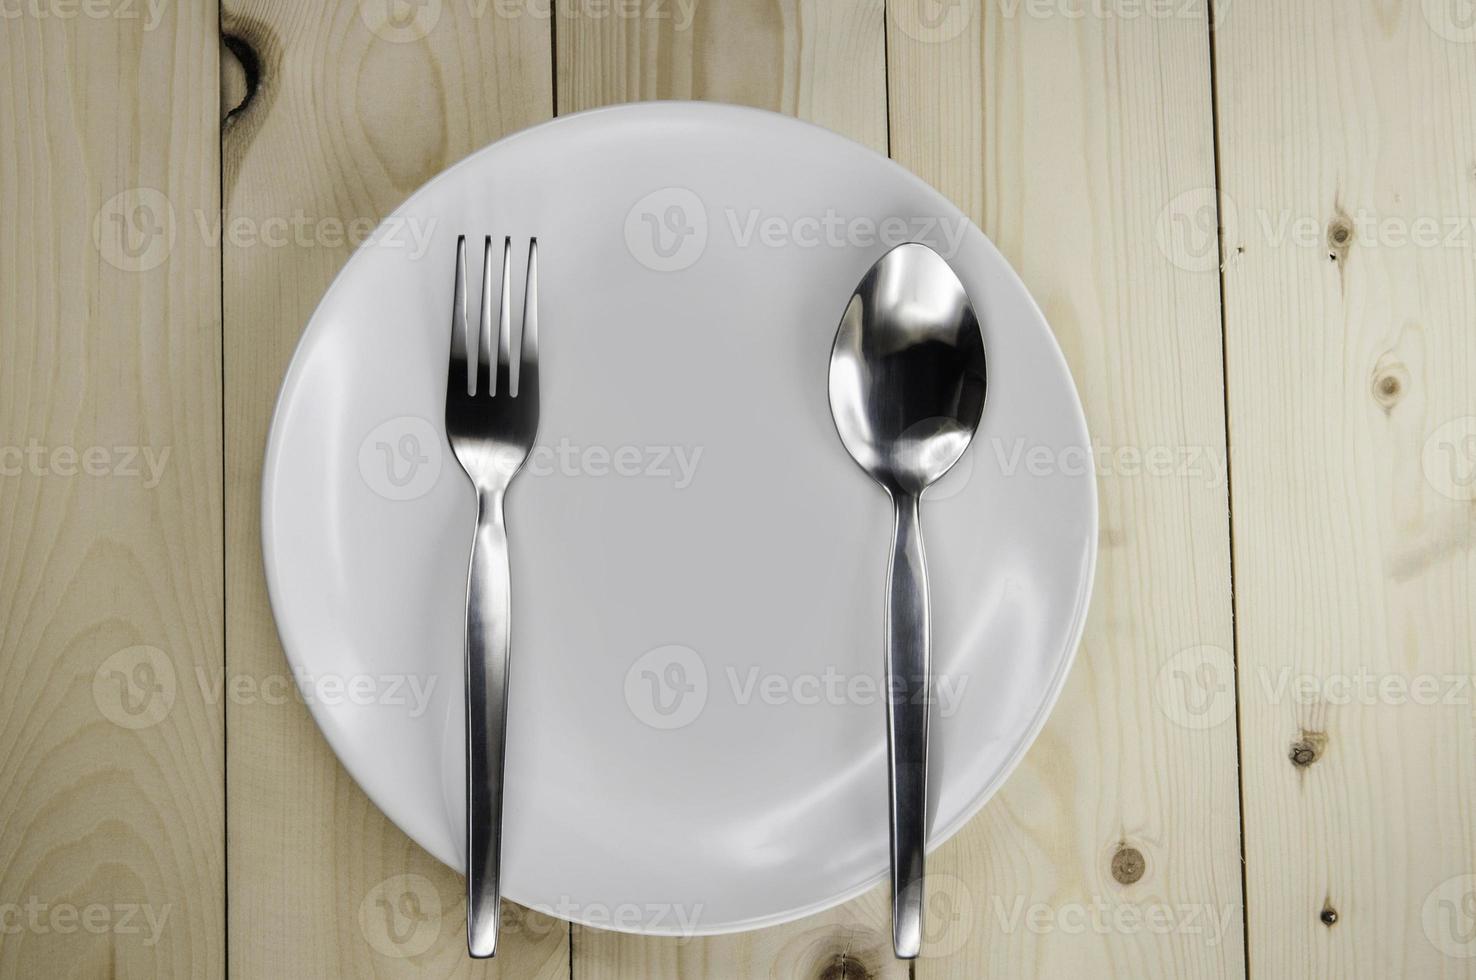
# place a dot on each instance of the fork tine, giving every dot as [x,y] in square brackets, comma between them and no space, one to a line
[504,322]
[484,325]
[528,345]
[458,325]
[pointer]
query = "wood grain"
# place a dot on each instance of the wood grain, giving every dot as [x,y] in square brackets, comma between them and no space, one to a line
[157,819]
[1114,850]
[1348,160]
[354,106]
[820,60]
[852,940]
[824,61]
[112,857]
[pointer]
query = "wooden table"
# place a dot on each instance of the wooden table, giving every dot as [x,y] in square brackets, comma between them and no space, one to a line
[1264,763]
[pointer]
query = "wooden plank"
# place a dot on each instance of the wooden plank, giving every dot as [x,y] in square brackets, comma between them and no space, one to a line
[1066,130]
[111,785]
[354,106]
[821,60]
[852,940]
[1346,146]
[824,61]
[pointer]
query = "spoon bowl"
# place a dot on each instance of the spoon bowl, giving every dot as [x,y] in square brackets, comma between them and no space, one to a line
[907,377]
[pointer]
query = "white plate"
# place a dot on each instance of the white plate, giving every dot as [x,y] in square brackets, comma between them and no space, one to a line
[696,739]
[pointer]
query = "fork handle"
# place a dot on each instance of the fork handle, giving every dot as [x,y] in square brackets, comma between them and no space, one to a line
[488,609]
[907,722]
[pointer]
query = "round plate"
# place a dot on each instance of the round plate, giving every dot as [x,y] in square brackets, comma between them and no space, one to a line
[696,733]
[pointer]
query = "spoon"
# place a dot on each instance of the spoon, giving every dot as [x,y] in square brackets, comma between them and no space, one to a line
[906,392]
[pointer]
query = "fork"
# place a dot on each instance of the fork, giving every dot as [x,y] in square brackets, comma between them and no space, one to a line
[491,422]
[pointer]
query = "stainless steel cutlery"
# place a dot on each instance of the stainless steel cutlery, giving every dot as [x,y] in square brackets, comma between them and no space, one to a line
[907,386]
[906,391]
[491,423]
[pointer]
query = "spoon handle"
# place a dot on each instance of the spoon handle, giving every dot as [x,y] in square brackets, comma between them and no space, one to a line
[907,722]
